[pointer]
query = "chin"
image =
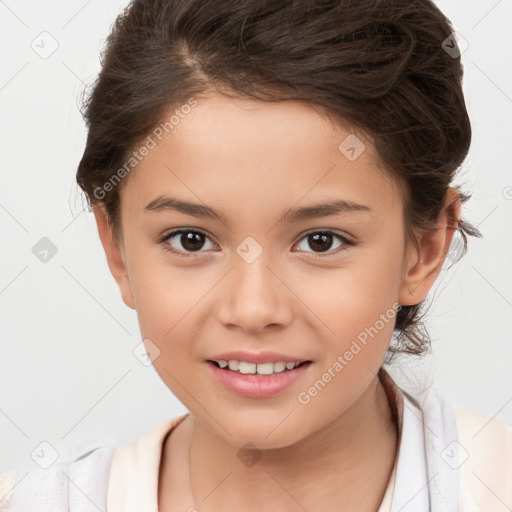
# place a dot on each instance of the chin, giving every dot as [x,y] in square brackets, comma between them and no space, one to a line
[264,435]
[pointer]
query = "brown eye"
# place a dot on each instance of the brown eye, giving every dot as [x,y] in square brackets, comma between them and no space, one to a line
[322,241]
[185,240]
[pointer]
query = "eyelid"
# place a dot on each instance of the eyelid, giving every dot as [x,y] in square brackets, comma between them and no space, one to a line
[344,236]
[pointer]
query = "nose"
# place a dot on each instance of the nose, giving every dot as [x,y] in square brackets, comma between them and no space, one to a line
[255,297]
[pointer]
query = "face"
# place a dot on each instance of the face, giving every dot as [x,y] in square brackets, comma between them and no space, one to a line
[254,268]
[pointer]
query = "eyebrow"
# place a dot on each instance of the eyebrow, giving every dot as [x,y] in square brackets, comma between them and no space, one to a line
[318,210]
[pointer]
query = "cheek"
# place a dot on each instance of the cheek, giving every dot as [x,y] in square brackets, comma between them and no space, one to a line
[358,306]
[168,305]
[164,294]
[360,315]
[349,300]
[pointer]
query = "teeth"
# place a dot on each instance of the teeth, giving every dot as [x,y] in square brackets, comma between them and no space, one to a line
[260,368]
[265,368]
[279,367]
[233,365]
[245,367]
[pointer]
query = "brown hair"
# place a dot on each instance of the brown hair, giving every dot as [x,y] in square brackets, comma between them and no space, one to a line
[379,65]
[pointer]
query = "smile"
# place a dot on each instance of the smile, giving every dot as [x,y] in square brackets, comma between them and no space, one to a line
[269,368]
[257,380]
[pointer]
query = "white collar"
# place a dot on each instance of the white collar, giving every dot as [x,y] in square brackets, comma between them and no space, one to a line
[426,475]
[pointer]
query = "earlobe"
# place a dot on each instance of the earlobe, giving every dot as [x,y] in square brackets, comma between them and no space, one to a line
[425,261]
[115,257]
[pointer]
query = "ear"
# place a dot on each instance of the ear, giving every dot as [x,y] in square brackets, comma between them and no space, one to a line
[115,255]
[425,262]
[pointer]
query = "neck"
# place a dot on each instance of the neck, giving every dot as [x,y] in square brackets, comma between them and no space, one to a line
[345,466]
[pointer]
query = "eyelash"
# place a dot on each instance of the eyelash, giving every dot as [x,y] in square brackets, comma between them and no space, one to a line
[345,241]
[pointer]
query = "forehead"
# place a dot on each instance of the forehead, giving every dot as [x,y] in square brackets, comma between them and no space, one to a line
[227,150]
[218,121]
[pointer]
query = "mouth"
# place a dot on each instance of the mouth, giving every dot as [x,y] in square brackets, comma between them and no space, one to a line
[258,380]
[259,369]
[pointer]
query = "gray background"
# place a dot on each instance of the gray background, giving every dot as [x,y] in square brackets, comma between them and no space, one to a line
[68,374]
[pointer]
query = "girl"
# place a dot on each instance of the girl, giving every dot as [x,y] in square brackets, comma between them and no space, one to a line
[272,186]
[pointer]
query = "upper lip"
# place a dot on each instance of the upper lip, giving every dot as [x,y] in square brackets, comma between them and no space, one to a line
[259,357]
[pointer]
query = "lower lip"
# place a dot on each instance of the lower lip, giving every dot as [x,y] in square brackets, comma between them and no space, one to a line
[257,386]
